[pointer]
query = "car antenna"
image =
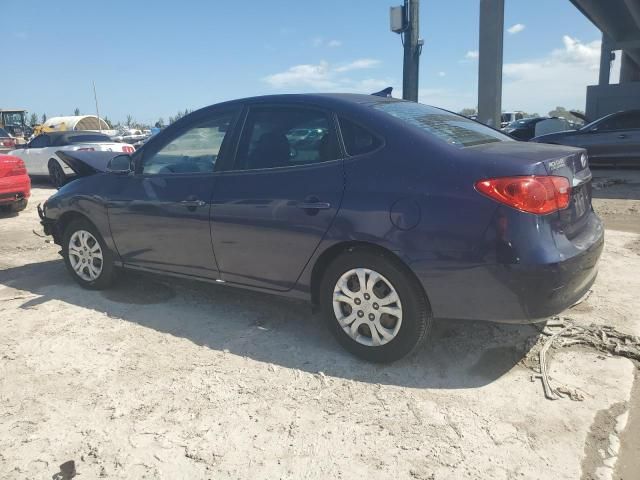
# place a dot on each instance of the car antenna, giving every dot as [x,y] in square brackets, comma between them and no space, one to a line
[384,93]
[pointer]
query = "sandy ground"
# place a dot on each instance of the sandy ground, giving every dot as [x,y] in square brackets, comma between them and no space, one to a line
[161,378]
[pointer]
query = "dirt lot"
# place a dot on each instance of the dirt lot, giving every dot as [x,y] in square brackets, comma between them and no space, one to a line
[161,378]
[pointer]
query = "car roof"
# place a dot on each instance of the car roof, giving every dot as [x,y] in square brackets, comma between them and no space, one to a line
[71,133]
[333,99]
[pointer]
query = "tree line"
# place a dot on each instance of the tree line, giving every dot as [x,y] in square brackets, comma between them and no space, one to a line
[130,122]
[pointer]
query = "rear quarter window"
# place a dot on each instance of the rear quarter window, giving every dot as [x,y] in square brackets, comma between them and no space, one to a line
[450,128]
[358,140]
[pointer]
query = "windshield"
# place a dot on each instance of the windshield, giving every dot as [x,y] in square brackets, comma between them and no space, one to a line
[448,127]
[4,133]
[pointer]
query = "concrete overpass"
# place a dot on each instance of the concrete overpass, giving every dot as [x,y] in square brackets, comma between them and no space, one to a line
[619,22]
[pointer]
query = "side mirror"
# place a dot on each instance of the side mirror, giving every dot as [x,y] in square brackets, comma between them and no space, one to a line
[594,129]
[120,165]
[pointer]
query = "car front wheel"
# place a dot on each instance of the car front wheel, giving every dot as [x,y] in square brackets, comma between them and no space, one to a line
[86,256]
[374,306]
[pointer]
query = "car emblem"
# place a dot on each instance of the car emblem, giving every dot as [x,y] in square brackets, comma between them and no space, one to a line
[583,160]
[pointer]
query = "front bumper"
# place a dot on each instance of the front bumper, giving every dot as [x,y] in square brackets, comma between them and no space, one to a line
[48,225]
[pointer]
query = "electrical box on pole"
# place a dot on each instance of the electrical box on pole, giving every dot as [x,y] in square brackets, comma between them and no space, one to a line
[404,20]
[398,19]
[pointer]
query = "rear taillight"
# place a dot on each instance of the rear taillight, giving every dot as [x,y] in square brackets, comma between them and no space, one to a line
[534,194]
[17,169]
[128,149]
[86,149]
[9,142]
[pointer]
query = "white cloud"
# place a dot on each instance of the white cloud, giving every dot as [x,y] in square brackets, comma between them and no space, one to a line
[447,98]
[558,79]
[315,76]
[324,76]
[517,28]
[472,54]
[442,74]
[334,43]
[358,64]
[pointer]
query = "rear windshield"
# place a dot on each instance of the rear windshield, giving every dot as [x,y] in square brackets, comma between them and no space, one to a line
[448,127]
[88,138]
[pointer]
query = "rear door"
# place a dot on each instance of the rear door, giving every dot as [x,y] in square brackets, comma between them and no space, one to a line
[270,211]
[615,138]
[628,136]
[35,155]
[159,217]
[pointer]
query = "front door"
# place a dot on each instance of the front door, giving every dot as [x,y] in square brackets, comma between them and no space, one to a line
[271,210]
[159,216]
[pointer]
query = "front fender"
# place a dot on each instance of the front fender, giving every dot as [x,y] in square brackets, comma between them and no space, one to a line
[79,198]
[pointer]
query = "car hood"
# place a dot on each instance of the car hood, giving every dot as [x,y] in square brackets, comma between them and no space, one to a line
[86,163]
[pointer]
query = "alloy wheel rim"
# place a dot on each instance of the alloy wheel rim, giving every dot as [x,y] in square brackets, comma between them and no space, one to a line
[85,255]
[367,307]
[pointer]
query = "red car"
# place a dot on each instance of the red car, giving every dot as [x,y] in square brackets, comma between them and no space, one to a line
[15,185]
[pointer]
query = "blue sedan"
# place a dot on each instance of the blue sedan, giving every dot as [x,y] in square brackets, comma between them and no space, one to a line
[385,213]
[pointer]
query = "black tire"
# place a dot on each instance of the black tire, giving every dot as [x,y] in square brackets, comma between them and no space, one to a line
[57,177]
[107,272]
[416,311]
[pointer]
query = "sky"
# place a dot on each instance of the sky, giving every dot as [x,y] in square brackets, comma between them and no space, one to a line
[152,59]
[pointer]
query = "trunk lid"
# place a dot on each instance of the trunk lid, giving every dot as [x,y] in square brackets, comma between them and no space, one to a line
[85,163]
[11,166]
[525,158]
[575,167]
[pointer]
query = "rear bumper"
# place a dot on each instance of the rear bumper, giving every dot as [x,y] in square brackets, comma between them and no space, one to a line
[518,292]
[14,189]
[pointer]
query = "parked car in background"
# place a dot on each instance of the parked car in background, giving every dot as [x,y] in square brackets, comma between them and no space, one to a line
[612,139]
[131,136]
[41,157]
[524,129]
[15,184]
[400,213]
[507,117]
[7,142]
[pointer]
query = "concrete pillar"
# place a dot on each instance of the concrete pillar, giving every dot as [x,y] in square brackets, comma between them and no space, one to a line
[605,60]
[629,69]
[490,62]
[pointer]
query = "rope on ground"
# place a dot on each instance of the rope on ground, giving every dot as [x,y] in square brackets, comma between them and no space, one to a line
[559,333]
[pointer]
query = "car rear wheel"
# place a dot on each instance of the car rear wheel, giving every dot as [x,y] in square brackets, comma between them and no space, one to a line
[374,307]
[57,177]
[86,256]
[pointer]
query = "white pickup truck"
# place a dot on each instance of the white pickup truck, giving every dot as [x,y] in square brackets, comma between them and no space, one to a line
[40,158]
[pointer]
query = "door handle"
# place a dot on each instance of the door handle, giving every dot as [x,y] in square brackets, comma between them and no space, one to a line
[192,203]
[622,135]
[314,205]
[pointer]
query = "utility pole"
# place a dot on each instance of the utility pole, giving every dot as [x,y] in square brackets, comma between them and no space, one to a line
[95,97]
[405,21]
[412,50]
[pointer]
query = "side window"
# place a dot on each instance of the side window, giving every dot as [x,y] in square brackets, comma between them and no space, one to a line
[621,121]
[193,151]
[284,137]
[629,121]
[357,140]
[40,141]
